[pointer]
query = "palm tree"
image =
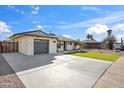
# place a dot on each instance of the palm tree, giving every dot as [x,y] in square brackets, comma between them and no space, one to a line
[91,37]
[109,32]
[88,36]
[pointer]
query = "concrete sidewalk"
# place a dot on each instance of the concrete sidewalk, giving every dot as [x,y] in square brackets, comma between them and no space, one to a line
[113,77]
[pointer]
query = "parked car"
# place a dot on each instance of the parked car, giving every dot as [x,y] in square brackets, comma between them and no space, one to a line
[117,47]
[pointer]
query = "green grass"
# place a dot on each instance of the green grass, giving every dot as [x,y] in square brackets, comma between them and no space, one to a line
[101,56]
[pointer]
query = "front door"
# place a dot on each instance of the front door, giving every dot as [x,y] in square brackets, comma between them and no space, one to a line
[65,46]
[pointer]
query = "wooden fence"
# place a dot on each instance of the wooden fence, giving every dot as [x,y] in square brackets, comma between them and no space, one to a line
[8,46]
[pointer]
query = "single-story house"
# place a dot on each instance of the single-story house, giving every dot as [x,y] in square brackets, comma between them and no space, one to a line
[35,42]
[64,44]
[39,42]
[92,44]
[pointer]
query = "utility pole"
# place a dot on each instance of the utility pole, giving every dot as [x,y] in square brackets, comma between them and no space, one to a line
[121,40]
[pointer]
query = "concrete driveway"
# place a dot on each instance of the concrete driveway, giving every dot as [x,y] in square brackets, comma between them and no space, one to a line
[50,70]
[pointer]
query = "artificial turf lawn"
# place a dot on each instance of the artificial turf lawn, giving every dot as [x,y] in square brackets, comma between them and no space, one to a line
[102,56]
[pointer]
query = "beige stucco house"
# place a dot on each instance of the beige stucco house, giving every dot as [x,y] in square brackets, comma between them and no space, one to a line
[39,42]
[35,42]
[64,44]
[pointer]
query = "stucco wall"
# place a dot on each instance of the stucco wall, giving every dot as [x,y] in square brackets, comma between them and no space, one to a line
[26,45]
[62,46]
[61,49]
[52,46]
[70,47]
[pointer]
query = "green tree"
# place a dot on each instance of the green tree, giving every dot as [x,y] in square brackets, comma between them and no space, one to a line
[89,36]
[78,42]
[109,32]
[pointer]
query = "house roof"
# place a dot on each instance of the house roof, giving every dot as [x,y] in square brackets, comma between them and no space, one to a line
[90,41]
[61,38]
[32,33]
[40,34]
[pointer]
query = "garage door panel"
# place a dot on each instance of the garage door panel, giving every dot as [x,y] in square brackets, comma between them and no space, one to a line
[41,46]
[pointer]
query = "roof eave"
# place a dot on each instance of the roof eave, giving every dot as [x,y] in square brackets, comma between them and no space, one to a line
[32,35]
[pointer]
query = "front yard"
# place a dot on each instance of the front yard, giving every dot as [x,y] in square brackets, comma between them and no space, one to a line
[101,56]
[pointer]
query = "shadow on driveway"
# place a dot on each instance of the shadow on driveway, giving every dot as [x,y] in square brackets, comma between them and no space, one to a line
[8,77]
[20,62]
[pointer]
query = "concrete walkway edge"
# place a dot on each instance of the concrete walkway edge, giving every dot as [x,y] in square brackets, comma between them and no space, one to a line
[113,77]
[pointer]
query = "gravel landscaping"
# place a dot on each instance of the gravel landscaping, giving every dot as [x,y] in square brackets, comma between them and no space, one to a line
[121,53]
[8,78]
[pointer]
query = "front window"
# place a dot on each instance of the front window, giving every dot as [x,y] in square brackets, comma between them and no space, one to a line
[70,43]
[59,45]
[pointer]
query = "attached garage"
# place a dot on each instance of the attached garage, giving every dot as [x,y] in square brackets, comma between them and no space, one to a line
[41,46]
[35,42]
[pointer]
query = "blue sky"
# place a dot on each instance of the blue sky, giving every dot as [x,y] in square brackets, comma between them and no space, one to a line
[71,21]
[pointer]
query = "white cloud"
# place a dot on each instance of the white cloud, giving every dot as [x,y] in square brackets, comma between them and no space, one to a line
[54,15]
[10,6]
[108,19]
[66,35]
[15,9]
[118,27]
[95,9]
[98,29]
[4,28]
[5,36]
[5,31]
[32,29]
[22,12]
[42,27]
[35,22]
[92,8]
[119,36]
[82,14]
[35,9]
[62,22]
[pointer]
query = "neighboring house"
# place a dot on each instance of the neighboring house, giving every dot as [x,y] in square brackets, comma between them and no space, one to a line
[35,42]
[39,42]
[92,44]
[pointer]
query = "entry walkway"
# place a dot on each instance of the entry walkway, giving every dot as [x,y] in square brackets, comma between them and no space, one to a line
[113,77]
